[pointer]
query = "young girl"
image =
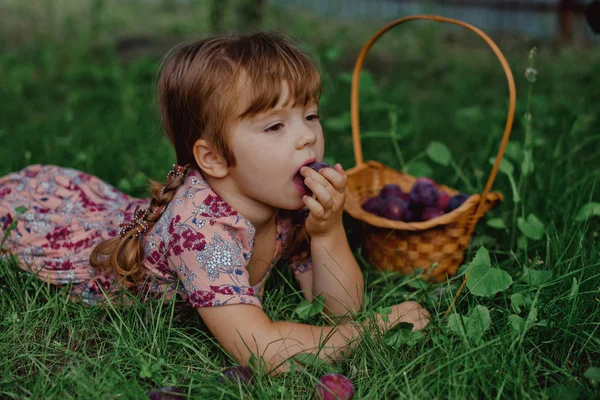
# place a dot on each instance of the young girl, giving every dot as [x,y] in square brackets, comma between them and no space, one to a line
[242,115]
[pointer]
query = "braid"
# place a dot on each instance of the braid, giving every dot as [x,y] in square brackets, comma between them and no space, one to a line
[124,255]
[298,242]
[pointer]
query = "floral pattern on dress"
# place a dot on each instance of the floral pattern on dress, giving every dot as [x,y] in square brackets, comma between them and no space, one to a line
[199,249]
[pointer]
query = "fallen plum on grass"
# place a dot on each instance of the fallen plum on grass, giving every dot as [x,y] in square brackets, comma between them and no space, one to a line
[166,393]
[334,387]
[235,373]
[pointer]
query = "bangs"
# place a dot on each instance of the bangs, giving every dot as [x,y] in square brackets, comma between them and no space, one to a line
[265,76]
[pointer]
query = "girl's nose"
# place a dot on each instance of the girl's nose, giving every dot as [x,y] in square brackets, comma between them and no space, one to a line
[306,136]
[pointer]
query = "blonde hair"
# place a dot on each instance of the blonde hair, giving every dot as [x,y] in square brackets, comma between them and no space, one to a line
[198,91]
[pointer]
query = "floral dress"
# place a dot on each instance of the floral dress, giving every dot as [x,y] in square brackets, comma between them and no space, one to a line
[199,249]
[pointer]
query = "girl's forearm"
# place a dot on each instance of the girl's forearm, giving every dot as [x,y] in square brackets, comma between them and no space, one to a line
[328,343]
[336,274]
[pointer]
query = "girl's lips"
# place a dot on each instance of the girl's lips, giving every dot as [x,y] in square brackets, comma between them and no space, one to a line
[299,181]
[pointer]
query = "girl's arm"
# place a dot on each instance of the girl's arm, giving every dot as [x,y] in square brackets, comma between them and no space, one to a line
[336,274]
[244,330]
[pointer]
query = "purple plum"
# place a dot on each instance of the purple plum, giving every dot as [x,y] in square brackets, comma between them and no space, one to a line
[390,190]
[411,215]
[393,208]
[431,213]
[443,200]
[373,205]
[167,393]
[334,387]
[319,165]
[240,373]
[423,193]
[426,179]
[457,201]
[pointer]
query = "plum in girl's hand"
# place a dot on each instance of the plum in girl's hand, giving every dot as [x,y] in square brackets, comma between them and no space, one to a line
[319,165]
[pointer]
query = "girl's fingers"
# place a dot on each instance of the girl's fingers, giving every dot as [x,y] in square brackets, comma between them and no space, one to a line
[322,193]
[314,206]
[337,177]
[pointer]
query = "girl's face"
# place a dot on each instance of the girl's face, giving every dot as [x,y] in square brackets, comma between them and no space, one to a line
[270,149]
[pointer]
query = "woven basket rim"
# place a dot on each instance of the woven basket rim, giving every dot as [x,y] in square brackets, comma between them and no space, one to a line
[353,206]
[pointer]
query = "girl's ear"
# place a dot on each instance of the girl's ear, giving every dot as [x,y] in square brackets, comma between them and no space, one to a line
[208,160]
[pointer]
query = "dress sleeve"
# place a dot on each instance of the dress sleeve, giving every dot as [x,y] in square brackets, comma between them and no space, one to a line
[210,258]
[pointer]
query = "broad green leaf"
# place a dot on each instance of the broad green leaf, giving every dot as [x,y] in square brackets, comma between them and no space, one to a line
[513,151]
[527,165]
[593,374]
[439,153]
[472,326]
[384,311]
[517,324]
[588,211]
[505,167]
[522,242]
[563,392]
[403,337]
[497,223]
[531,227]
[419,168]
[484,280]
[306,309]
[516,302]
[535,277]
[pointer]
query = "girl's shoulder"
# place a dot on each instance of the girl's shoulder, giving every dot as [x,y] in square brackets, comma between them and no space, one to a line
[196,208]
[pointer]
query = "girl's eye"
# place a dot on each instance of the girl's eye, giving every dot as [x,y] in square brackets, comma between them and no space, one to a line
[313,117]
[274,128]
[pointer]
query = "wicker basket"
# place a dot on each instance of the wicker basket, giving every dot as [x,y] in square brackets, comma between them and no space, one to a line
[436,246]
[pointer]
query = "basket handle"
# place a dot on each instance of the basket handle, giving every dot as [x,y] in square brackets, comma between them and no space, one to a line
[511,87]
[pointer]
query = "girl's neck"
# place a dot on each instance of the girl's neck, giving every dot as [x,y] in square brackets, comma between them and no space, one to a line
[259,214]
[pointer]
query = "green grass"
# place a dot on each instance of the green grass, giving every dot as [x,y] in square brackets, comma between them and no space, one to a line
[81,105]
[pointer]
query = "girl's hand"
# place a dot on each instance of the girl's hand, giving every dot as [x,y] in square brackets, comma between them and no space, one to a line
[326,206]
[408,311]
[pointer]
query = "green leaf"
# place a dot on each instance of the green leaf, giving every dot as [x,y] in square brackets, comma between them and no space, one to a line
[307,309]
[375,135]
[535,277]
[513,151]
[484,280]
[593,374]
[516,302]
[339,123]
[574,289]
[398,337]
[531,227]
[527,165]
[20,210]
[517,324]
[473,326]
[505,167]
[439,153]
[588,211]
[419,168]
[497,223]
[307,359]
[522,242]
